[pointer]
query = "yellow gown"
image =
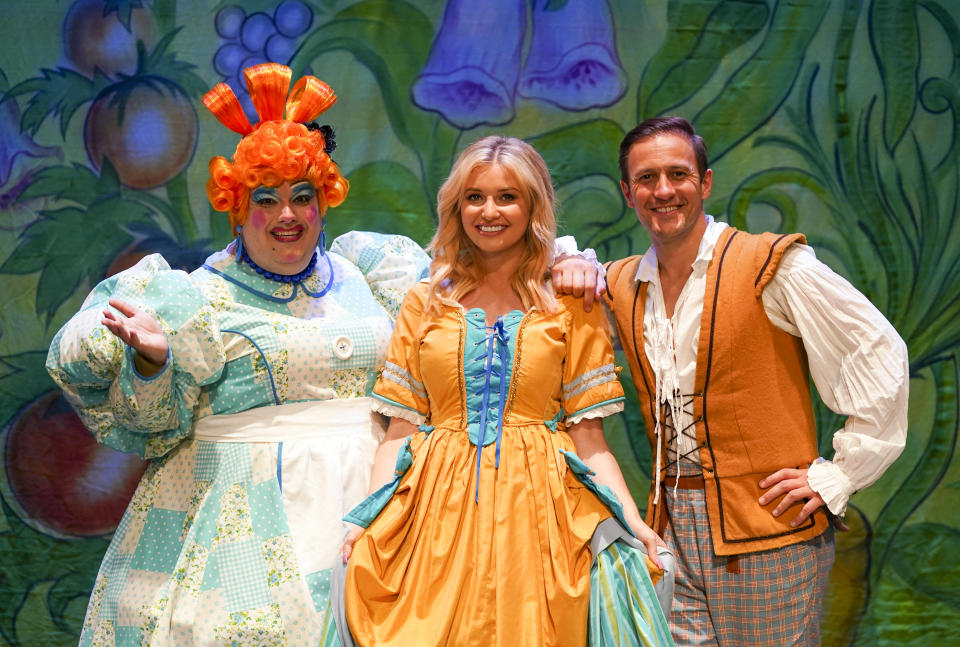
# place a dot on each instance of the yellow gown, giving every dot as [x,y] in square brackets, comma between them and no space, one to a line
[496,551]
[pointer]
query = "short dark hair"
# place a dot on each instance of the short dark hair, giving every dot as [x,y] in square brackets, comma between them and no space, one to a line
[662,125]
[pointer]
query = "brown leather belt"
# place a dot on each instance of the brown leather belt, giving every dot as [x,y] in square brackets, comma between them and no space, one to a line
[683,483]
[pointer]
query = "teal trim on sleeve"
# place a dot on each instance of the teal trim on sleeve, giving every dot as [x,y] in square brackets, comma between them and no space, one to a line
[396,404]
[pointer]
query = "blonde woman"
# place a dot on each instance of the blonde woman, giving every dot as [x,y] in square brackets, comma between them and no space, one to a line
[495,500]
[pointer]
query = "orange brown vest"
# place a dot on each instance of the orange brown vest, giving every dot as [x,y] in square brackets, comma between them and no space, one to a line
[752,408]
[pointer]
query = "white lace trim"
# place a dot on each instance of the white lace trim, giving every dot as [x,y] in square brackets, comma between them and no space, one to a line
[395,411]
[597,412]
[833,486]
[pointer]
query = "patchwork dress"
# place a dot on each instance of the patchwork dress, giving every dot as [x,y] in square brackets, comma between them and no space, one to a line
[260,434]
[484,536]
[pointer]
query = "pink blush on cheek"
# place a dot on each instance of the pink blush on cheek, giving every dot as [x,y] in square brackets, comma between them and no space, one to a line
[312,215]
[257,219]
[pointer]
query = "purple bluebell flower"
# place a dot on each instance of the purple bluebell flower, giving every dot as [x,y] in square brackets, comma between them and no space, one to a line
[471,75]
[13,143]
[573,60]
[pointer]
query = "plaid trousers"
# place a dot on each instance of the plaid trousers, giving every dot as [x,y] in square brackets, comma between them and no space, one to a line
[774,600]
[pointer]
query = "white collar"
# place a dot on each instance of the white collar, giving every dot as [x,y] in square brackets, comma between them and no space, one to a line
[647,269]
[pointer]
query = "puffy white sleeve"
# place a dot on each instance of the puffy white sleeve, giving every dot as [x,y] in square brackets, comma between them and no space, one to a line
[858,363]
[96,371]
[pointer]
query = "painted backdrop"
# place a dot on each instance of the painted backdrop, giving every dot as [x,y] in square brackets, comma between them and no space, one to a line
[838,119]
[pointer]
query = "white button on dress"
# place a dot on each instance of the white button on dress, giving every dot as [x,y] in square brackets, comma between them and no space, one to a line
[342,347]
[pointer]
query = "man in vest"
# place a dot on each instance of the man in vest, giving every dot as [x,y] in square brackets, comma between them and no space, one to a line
[722,330]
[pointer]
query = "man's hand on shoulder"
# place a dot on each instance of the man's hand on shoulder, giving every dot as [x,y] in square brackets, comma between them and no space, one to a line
[792,484]
[579,277]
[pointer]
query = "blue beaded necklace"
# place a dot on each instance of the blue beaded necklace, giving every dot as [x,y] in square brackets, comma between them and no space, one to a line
[280,278]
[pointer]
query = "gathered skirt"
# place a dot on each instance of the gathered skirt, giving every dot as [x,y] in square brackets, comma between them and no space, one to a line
[448,560]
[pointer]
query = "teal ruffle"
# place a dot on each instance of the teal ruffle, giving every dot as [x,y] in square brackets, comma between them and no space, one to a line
[605,494]
[368,509]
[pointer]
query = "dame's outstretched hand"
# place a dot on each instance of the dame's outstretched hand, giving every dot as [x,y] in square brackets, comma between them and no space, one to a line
[138,330]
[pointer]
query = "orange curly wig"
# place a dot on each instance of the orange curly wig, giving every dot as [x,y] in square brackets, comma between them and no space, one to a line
[277,149]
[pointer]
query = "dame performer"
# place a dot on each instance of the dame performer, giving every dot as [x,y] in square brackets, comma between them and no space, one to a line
[245,383]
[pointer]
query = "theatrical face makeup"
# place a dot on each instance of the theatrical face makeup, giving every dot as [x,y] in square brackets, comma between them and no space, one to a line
[283,226]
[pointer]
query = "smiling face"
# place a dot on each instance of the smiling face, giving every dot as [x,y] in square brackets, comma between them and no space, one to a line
[495,214]
[283,226]
[665,189]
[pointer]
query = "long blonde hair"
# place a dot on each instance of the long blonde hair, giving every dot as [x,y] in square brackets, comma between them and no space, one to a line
[456,259]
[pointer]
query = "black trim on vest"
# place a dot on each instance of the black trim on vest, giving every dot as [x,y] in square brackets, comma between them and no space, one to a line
[637,350]
[706,379]
[763,268]
[706,425]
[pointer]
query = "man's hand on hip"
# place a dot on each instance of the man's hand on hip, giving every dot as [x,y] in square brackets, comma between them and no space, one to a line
[792,484]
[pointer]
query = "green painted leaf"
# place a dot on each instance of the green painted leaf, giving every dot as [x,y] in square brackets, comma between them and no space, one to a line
[39,559]
[160,70]
[73,244]
[895,41]
[108,182]
[949,25]
[392,39]
[756,188]
[686,20]
[926,475]
[582,149]
[598,219]
[179,213]
[79,184]
[75,183]
[587,214]
[66,591]
[57,92]
[846,596]
[758,88]
[596,216]
[699,35]
[23,379]
[162,65]
[385,197]
[901,616]
[840,71]
[927,560]
[220,233]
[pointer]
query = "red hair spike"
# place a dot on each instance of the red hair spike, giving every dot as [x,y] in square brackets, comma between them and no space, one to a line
[268,84]
[309,98]
[225,106]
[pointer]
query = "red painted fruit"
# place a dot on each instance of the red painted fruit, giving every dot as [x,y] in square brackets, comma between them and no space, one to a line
[61,481]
